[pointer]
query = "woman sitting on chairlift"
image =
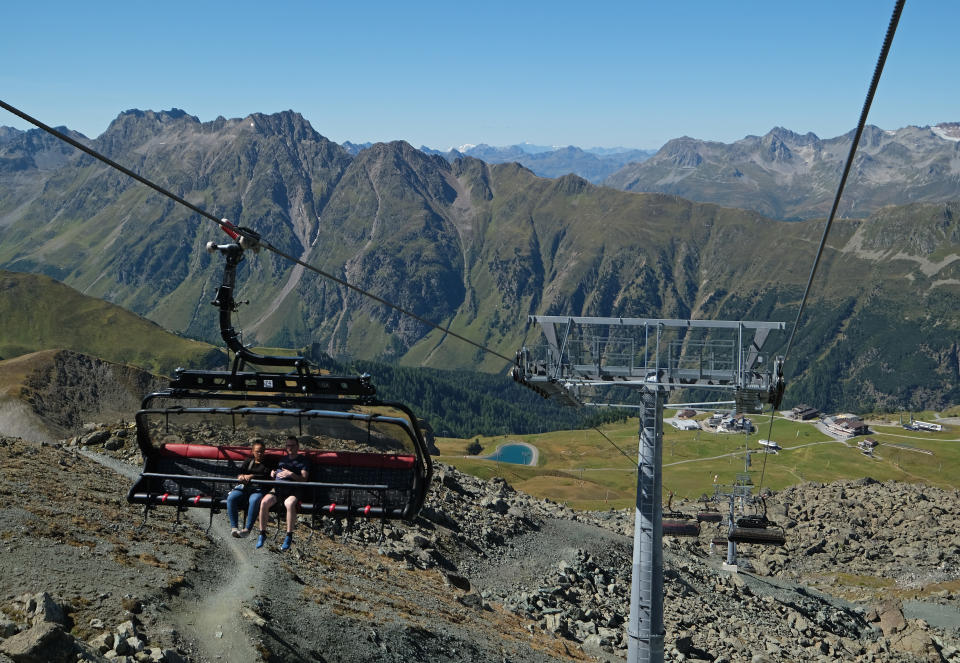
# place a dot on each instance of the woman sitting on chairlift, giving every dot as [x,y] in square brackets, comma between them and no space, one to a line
[254,467]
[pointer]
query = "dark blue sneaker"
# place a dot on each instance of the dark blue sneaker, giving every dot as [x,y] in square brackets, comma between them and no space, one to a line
[287,541]
[261,539]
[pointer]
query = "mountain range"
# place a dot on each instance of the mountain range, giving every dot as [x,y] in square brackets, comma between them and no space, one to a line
[786,175]
[477,247]
[593,164]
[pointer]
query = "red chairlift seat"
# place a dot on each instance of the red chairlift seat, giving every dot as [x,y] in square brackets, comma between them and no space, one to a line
[680,526]
[709,514]
[677,523]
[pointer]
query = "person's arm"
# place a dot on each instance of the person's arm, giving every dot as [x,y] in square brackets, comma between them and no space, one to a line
[305,471]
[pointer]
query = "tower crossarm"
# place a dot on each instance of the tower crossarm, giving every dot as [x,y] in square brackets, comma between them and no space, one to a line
[671,353]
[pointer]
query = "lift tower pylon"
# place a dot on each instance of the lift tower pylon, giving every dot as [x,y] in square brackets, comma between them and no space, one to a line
[654,356]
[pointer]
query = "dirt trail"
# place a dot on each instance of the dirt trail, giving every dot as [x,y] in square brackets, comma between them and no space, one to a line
[209,614]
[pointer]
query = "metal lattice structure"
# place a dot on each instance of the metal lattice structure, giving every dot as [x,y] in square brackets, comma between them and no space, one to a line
[654,356]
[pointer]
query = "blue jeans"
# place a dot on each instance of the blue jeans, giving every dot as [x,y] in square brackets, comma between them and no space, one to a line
[234,500]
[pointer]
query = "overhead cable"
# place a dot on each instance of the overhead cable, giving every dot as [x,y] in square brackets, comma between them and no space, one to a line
[891,30]
[625,454]
[874,83]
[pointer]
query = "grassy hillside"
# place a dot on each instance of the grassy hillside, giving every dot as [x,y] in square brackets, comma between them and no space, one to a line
[40,313]
[585,470]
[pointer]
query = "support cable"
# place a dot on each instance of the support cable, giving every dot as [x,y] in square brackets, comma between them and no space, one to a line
[235,232]
[614,444]
[874,83]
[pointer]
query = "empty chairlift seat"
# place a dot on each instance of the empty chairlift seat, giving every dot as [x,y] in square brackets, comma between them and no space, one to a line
[680,526]
[677,523]
[757,530]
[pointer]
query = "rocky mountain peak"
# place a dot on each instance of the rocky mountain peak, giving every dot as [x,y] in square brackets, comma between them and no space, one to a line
[873,136]
[784,174]
[287,123]
[35,149]
[7,134]
[776,148]
[683,152]
[572,184]
[791,137]
[134,117]
[134,127]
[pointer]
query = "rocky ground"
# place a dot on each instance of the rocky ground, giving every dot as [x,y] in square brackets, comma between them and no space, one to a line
[870,572]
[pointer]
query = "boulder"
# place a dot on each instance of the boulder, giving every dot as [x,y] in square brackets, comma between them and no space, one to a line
[891,618]
[45,642]
[917,642]
[102,643]
[7,627]
[95,438]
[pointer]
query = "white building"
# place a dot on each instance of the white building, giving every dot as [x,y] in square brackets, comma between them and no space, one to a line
[685,424]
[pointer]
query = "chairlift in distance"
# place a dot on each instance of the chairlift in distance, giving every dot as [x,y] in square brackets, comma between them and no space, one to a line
[677,523]
[757,529]
[708,514]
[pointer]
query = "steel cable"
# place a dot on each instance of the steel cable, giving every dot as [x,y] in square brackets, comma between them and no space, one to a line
[874,83]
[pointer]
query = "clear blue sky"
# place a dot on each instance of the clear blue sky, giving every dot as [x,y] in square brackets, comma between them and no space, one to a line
[441,74]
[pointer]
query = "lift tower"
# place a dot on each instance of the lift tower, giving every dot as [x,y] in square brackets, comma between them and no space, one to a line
[654,356]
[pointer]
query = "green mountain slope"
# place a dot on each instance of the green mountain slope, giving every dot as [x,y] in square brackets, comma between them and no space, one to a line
[477,248]
[39,313]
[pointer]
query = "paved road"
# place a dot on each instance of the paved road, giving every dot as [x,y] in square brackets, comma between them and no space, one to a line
[740,452]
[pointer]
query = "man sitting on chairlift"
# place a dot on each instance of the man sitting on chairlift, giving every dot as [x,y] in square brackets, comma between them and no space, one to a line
[293,467]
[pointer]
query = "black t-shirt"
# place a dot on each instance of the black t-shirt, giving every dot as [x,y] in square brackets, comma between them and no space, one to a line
[258,470]
[295,465]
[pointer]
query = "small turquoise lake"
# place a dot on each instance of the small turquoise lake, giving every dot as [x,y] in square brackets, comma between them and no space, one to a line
[519,454]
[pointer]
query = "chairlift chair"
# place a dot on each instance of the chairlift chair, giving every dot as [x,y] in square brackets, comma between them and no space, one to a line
[368,458]
[757,529]
[709,514]
[677,523]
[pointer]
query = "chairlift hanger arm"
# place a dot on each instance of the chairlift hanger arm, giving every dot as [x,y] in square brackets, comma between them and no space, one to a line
[233,252]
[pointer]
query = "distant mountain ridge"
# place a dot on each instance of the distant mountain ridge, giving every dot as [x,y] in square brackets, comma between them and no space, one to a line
[592,164]
[475,247]
[788,175]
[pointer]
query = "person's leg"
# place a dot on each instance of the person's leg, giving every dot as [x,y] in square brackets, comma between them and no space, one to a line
[292,504]
[233,507]
[265,504]
[253,510]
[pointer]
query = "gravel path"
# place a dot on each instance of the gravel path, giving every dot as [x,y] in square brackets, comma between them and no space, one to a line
[211,614]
